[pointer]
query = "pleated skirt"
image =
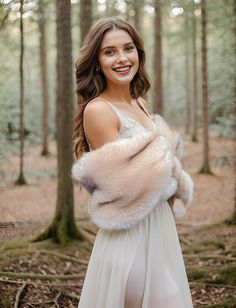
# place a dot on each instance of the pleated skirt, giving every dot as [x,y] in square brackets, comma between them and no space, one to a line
[141,267]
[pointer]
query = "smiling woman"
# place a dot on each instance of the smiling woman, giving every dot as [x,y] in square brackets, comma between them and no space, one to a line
[131,170]
[118,54]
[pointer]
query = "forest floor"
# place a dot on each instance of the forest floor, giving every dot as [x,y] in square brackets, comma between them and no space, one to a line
[46,274]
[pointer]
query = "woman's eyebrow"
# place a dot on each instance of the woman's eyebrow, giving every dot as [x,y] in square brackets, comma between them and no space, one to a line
[115,46]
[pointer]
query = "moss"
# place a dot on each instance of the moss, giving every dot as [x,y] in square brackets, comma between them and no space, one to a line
[195,274]
[228,275]
[21,180]
[230,303]
[232,219]
[214,244]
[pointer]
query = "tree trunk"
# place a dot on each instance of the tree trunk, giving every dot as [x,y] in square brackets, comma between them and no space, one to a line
[187,106]
[85,17]
[195,85]
[21,179]
[206,167]
[157,62]
[137,6]
[44,81]
[63,227]
[232,219]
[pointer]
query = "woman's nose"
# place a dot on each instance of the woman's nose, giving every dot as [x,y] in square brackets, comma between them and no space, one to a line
[122,57]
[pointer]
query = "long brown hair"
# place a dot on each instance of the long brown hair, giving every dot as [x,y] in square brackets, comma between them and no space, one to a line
[91,83]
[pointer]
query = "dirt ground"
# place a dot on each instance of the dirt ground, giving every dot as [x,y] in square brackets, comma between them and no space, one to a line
[31,274]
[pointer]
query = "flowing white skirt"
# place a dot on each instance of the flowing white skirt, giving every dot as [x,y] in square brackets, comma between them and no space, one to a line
[141,267]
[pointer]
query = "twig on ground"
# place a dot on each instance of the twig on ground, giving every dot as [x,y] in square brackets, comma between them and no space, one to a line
[206,257]
[88,230]
[184,241]
[18,295]
[64,257]
[39,283]
[56,299]
[66,293]
[39,276]
[193,284]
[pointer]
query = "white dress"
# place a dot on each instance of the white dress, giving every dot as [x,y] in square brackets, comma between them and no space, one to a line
[141,267]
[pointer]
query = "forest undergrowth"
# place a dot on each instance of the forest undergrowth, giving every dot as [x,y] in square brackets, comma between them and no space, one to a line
[46,274]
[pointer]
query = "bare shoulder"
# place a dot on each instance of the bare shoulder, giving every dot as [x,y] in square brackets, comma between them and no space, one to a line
[101,124]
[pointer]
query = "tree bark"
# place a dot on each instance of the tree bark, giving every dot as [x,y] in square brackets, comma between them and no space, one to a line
[206,167]
[137,6]
[85,17]
[21,179]
[63,226]
[187,106]
[195,83]
[232,219]
[44,81]
[157,62]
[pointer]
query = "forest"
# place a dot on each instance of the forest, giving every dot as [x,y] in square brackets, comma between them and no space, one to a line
[46,235]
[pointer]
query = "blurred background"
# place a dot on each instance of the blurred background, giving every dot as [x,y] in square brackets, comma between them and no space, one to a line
[190,59]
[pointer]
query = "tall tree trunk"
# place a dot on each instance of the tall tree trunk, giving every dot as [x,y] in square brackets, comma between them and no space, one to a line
[21,179]
[232,219]
[195,85]
[44,81]
[157,62]
[63,226]
[136,7]
[206,167]
[85,17]
[187,106]
[127,13]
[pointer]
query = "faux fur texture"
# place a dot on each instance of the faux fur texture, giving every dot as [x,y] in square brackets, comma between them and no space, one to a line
[174,138]
[128,177]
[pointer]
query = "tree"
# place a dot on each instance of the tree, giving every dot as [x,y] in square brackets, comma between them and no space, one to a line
[21,179]
[85,17]
[63,226]
[195,91]
[44,80]
[206,167]
[136,6]
[187,74]
[232,219]
[157,61]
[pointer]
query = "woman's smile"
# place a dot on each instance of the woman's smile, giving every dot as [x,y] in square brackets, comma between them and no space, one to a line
[123,70]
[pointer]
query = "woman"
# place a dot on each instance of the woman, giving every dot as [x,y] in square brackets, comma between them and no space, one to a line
[130,171]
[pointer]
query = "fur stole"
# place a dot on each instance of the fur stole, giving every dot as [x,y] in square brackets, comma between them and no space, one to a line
[128,177]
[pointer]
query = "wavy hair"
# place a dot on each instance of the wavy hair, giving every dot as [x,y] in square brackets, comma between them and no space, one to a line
[91,83]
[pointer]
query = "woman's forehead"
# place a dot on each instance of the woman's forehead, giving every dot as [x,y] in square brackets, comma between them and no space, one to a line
[115,37]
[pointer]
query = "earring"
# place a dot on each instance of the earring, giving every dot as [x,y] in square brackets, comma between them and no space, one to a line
[97,69]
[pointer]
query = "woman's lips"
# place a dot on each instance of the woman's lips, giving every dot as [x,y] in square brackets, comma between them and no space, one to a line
[122,69]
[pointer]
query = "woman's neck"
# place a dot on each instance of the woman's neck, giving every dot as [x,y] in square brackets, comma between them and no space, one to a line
[118,94]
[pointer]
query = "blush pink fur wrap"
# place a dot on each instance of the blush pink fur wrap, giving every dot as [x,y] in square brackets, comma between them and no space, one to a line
[128,177]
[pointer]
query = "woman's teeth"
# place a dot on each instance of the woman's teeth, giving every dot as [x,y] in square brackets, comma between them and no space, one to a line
[122,69]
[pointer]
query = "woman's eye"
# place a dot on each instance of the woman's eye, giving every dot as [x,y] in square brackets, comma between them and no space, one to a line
[109,52]
[129,48]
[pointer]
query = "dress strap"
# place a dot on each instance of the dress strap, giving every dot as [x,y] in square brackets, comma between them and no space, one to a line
[140,103]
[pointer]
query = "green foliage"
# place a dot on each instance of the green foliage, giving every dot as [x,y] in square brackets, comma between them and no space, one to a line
[221,63]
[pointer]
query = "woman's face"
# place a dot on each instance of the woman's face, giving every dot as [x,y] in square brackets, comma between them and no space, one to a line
[118,57]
